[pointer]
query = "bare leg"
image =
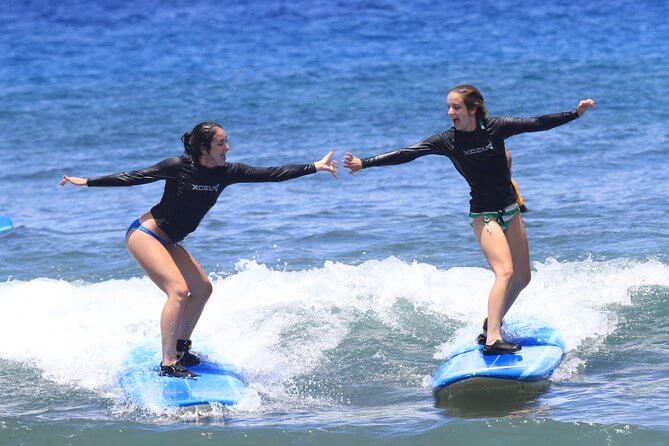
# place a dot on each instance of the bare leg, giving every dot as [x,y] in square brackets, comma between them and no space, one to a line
[199,286]
[159,265]
[494,245]
[517,240]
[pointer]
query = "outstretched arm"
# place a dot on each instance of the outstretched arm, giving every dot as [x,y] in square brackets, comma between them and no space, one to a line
[242,173]
[431,145]
[514,126]
[163,170]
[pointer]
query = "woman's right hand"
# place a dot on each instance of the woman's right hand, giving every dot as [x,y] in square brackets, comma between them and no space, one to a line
[584,105]
[73,180]
[352,163]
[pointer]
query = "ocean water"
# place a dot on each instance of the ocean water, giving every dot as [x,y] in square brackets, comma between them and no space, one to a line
[336,298]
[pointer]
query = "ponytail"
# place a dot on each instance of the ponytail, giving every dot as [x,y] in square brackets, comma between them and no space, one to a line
[185,139]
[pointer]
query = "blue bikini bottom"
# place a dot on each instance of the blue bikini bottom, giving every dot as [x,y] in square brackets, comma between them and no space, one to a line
[138,225]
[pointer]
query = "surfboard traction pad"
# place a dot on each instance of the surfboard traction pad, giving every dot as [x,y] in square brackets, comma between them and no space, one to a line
[467,369]
[216,384]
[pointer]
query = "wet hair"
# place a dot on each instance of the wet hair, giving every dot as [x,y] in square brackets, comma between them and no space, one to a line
[472,97]
[198,140]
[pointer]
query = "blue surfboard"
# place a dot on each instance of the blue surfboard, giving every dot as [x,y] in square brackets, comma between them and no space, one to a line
[541,354]
[217,383]
[6,225]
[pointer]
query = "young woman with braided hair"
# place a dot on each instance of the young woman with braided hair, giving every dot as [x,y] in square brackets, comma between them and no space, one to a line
[475,146]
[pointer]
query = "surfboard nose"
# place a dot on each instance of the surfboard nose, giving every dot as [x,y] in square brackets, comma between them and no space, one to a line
[6,225]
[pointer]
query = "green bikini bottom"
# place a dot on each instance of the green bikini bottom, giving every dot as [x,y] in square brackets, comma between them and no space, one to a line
[503,217]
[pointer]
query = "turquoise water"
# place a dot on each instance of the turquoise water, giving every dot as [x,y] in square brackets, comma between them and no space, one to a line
[337,299]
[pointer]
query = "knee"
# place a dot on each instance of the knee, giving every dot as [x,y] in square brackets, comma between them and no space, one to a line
[203,291]
[206,291]
[505,274]
[178,293]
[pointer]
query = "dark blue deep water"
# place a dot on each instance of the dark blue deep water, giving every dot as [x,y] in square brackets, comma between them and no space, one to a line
[337,298]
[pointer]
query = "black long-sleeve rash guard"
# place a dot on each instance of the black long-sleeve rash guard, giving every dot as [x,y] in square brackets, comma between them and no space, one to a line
[192,189]
[479,156]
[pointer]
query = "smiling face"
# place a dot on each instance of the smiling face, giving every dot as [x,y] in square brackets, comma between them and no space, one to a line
[464,119]
[218,148]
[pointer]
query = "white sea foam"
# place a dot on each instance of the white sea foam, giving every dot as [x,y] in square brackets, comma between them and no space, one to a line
[278,325]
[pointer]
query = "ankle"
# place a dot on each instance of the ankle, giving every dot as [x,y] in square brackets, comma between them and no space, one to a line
[170,360]
[183,345]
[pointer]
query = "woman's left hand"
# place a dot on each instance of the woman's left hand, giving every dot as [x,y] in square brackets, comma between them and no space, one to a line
[584,105]
[73,180]
[327,164]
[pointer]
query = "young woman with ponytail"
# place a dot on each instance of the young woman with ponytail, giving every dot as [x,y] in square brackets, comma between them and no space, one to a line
[475,146]
[193,183]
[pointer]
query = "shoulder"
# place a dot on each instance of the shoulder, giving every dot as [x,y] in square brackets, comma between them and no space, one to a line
[501,121]
[175,161]
[495,123]
[228,167]
[447,133]
[234,168]
[444,139]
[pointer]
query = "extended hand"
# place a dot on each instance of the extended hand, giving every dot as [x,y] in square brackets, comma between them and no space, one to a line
[584,105]
[73,180]
[327,164]
[352,163]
